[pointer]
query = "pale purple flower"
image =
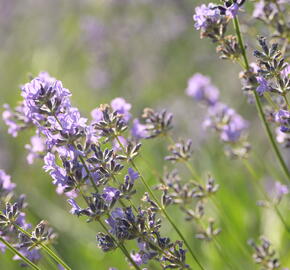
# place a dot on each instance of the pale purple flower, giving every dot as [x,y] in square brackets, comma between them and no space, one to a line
[280,189]
[233,130]
[69,122]
[205,15]
[15,120]
[139,258]
[5,182]
[201,89]
[263,85]
[117,146]
[57,173]
[97,115]
[35,148]
[139,130]
[44,88]
[7,116]
[122,107]
[21,221]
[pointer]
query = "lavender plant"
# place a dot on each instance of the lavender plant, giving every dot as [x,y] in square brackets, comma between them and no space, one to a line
[268,78]
[86,161]
[94,162]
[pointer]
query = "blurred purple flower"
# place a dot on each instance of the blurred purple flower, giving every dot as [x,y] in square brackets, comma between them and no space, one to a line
[35,148]
[200,88]
[5,182]
[138,130]
[122,107]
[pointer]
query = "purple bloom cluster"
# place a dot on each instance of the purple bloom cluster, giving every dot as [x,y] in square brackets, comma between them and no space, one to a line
[86,159]
[221,118]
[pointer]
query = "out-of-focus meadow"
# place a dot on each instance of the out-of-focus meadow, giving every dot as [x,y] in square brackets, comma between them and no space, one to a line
[144,51]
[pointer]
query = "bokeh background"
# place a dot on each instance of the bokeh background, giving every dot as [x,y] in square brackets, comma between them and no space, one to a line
[144,51]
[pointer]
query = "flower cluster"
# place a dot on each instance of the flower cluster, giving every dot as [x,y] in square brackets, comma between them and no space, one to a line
[230,126]
[273,82]
[212,21]
[13,225]
[87,160]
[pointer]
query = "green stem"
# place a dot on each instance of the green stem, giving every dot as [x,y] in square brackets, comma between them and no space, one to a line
[46,248]
[15,251]
[162,208]
[258,104]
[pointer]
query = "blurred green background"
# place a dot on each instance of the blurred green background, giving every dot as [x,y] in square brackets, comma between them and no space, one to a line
[144,51]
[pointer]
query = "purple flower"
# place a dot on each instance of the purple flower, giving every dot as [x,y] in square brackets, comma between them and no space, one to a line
[132,174]
[110,194]
[139,258]
[205,15]
[69,122]
[75,210]
[33,255]
[5,182]
[232,10]
[139,130]
[226,121]
[283,117]
[263,85]
[15,120]
[117,146]
[20,221]
[122,107]
[45,93]
[57,173]
[280,189]
[97,115]
[200,88]
[232,131]
[36,148]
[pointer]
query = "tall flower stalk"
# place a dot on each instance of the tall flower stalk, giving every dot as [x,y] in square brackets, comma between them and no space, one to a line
[259,106]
